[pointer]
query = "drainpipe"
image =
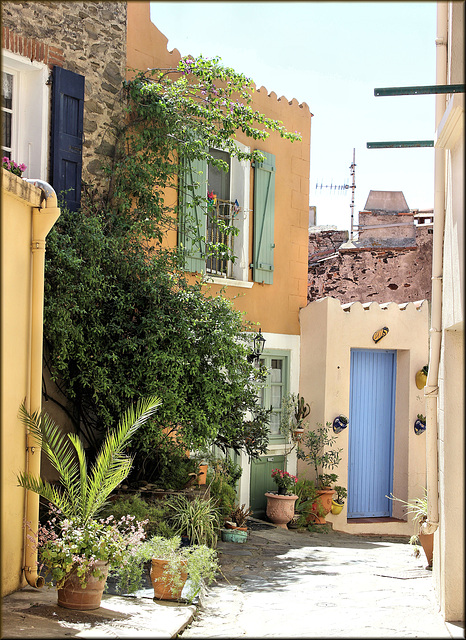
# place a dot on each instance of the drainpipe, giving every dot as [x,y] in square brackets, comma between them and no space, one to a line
[431,388]
[43,219]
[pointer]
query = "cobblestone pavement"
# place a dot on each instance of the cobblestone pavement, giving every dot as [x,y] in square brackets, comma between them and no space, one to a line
[288,584]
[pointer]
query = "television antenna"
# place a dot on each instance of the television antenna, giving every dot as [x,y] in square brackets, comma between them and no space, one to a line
[341,187]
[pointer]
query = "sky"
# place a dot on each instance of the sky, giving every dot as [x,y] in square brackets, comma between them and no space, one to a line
[331,56]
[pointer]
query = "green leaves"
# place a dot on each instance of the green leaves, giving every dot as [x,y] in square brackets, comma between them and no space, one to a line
[82,495]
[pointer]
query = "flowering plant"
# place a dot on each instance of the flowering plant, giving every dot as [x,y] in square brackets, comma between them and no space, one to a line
[65,545]
[12,166]
[284,480]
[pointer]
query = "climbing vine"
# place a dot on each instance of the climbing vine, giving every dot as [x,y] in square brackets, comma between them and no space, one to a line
[121,319]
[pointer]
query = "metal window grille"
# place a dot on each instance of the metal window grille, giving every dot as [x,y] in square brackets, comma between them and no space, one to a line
[219,214]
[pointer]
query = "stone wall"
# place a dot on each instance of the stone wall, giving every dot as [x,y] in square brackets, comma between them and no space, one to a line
[88,38]
[382,274]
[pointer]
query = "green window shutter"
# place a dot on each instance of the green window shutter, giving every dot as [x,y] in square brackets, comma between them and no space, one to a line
[264,209]
[192,230]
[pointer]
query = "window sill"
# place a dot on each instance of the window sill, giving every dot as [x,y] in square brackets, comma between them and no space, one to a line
[227,282]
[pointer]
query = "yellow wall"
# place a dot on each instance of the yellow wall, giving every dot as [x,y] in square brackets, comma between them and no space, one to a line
[275,307]
[327,335]
[19,200]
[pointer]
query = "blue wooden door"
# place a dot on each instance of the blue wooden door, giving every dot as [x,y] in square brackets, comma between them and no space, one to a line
[371,432]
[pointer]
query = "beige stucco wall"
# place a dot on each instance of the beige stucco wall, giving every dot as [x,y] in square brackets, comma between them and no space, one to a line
[449,556]
[18,200]
[328,333]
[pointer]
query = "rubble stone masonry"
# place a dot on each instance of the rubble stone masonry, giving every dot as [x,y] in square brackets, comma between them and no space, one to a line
[382,274]
[88,38]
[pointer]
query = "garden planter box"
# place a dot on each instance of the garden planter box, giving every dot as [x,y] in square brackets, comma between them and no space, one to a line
[234,535]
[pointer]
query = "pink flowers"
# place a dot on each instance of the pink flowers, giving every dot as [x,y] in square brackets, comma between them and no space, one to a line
[11,165]
[67,544]
[283,479]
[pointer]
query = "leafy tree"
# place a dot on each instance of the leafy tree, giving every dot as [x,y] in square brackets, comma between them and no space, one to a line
[121,320]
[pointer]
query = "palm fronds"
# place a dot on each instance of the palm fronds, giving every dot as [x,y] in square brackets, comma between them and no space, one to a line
[82,494]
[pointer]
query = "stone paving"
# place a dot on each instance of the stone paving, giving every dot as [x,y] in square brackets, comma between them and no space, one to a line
[279,584]
[290,584]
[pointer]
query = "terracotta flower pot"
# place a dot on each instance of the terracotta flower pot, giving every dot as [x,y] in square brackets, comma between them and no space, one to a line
[73,596]
[324,502]
[280,509]
[202,474]
[162,584]
[427,542]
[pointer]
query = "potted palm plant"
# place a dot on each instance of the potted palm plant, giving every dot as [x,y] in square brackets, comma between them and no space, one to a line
[75,546]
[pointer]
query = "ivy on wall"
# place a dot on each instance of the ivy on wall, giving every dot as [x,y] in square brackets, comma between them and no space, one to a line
[121,319]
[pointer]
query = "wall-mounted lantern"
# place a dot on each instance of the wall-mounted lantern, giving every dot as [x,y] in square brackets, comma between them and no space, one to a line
[340,423]
[259,342]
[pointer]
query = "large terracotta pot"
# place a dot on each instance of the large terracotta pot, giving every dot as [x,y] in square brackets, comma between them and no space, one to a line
[280,509]
[73,596]
[325,500]
[162,584]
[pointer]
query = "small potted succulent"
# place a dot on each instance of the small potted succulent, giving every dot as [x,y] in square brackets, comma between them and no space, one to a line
[238,518]
[339,502]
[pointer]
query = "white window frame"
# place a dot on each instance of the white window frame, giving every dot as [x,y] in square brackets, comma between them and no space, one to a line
[31,109]
[240,172]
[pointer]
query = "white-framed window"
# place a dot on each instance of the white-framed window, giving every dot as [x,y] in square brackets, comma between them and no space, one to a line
[275,389]
[231,207]
[25,113]
[8,86]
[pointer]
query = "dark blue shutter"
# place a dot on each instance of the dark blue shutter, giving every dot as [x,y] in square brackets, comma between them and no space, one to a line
[264,213]
[67,135]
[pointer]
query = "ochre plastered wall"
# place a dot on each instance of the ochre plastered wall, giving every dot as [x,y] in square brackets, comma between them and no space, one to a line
[18,200]
[275,307]
[328,333]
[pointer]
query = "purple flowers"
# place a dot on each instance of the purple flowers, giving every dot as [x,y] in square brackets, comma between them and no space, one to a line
[12,166]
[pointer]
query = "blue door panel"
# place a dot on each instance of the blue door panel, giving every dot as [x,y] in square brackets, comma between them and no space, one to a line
[372,417]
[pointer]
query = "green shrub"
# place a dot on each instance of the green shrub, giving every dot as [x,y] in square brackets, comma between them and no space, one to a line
[155,512]
[224,495]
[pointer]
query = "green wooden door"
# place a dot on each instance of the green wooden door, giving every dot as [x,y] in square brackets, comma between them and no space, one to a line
[261,481]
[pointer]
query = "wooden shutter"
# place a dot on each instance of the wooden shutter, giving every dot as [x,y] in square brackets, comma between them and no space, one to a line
[264,209]
[193,183]
[67,135]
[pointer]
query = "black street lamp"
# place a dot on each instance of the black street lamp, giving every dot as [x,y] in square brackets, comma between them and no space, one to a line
[259,342]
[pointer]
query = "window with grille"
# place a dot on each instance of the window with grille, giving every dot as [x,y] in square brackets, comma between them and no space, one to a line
[219,216]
